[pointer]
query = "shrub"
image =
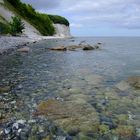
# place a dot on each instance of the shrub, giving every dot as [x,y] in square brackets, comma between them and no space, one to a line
[42,22]
[16,26]
[4,28]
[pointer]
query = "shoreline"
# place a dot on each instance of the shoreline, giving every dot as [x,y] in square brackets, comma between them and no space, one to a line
[9,44]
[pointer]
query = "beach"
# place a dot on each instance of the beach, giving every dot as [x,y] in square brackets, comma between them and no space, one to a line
[11,43]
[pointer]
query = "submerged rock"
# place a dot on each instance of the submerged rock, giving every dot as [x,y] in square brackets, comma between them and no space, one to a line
[24,49]
[134,81]
[122,86]
[138,132]
[4,89]
[97,46]
[94,79]
[72,117]
[124,131]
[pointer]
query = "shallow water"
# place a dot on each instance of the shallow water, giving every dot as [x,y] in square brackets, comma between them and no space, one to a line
[77,80]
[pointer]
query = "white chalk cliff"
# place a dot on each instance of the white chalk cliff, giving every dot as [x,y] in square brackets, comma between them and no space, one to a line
[30,31]
[62,30]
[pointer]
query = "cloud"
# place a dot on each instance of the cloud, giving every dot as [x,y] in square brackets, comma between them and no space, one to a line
[97,13]
[76,25]
[43,4]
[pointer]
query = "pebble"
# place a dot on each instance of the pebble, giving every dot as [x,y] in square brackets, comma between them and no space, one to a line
[138,132]
[5,94]
[7,131]
[13,102]
[21,122]
[31,121]
[69,138]
[20,86]
[15,126]
[19,130]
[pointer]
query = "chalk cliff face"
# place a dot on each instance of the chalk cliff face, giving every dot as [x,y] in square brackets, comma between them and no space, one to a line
[62,30]
[1,1]
[7,14]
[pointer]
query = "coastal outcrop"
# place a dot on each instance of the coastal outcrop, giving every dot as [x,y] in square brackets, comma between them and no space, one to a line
[84,47]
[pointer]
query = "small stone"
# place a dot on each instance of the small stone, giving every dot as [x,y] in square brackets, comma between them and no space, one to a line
[20,86]
[32,121]
[15,126]
[13,102]
[7,131]
[68,138]
[41,130]
[4,89]
[103,129]
[73,131]
[21,121]
[5,94]
[60,138]
[19,130]
[138,132]
[1,132]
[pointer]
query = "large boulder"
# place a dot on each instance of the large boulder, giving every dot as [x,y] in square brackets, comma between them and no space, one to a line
[84,47]
[24,49]
[87,47]
[60,48]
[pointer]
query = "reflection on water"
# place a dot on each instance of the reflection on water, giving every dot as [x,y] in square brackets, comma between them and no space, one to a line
[73,95]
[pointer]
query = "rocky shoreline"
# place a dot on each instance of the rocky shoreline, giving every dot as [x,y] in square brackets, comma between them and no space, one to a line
[9,44]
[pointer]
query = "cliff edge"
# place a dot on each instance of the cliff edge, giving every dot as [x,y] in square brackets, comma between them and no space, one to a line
[58,27]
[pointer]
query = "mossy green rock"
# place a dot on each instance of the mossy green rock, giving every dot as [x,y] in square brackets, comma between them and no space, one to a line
[124,131]
[69,115]
[134,81]
[4,89]
[103,129]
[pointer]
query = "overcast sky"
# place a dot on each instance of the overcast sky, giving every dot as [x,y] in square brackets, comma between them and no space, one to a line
[95,17]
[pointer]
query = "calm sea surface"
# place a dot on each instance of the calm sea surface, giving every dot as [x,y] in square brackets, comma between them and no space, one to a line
[82,84]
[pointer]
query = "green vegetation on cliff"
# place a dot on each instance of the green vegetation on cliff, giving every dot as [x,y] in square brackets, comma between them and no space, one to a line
[4,28]
[16,26]
[58,19]
[42,22]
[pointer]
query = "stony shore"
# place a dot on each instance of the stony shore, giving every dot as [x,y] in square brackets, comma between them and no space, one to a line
[10,43]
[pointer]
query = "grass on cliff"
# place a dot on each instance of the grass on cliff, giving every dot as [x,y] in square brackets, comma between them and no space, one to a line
[42,22]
